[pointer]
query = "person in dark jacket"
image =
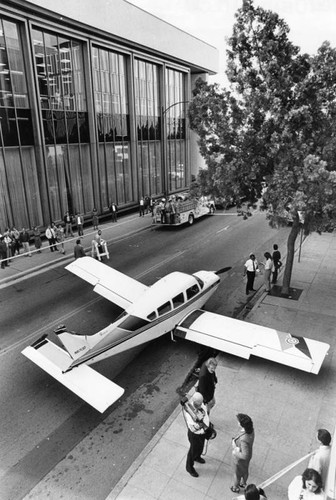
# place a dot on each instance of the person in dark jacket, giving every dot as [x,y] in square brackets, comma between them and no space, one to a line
[207,382]
[276,262]
[3,253]
[78,250]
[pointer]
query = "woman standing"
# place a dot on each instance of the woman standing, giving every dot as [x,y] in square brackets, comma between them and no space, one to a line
[306,487]
[37,239]
[242,446]
[268,264]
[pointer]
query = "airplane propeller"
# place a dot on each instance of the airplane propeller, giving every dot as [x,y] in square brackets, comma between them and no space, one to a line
[223,270]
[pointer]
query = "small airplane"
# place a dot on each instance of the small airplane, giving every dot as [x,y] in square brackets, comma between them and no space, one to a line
[172,304]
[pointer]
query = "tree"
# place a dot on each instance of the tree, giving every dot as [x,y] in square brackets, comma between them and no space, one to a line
[275,126]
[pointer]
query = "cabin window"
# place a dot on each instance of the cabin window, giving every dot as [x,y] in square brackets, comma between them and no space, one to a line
[178,300]
[151,316]
[192,291]
[133,323]
[164,309]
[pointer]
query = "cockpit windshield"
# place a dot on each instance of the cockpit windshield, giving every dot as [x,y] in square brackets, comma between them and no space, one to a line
[200,282]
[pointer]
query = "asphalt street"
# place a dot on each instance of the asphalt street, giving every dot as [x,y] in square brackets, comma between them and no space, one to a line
[55,426]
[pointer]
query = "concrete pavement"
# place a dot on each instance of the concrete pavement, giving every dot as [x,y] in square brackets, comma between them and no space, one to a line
[286,405]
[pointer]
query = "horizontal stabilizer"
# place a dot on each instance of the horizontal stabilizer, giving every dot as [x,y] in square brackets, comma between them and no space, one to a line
[244,339]
[88,384]
[108,282]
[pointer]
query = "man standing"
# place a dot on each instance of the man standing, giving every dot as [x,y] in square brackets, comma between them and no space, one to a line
[142,207]
[24,238]
[51,237]
[207,381]
[114,212]
[68,224]
[276,262]
[197,420]
[250,268]
[3,253]
[78,250]
[80,223]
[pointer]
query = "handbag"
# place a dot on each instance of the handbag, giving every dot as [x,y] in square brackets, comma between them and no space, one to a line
[211,432]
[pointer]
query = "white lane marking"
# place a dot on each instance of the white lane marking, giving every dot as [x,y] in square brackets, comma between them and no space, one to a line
[27,340]
[223,229]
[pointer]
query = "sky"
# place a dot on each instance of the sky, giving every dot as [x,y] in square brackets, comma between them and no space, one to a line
[311,22]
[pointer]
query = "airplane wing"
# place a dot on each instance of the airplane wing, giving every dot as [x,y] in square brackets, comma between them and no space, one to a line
[108,282]
[244,339]
[88,384]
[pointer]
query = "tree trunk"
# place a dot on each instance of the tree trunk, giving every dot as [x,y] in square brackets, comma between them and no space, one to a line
[290,255]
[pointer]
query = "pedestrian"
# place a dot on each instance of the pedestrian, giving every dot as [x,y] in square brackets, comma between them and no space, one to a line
[114,212]
[60,237]
[51,237]
[321,458]
[142,207]
[250,269]
[8,241]
[146,203]
[207,381]
[3,253]
[268,266]
[162,210]
[242,446]
[276,256]
[37,239]
[80,223]
[197,420]
[95,218]
[151,204]
[308,486]
[78,250]
[252,492]
[16,241]
[67,219]
[24,239]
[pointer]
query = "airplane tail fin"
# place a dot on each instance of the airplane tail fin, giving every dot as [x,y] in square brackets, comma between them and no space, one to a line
[88,384]
[76,345]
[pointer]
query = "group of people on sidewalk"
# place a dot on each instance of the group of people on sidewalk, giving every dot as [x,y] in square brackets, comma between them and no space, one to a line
[196,413]
[272,264]
[12,240]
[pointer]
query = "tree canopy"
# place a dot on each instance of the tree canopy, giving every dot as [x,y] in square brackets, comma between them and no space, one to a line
[272,133]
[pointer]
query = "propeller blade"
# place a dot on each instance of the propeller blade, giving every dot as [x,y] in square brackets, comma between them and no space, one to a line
[223,270]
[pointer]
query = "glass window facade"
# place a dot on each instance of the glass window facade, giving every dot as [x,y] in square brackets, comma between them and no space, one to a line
[176,130]
[59,68]
[82,125]
[148,126]
[20,202]
[113,126]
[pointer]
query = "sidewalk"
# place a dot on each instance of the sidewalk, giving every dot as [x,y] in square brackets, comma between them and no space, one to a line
[286,405]
[22,265]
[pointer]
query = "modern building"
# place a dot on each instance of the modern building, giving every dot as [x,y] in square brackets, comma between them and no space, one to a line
[93,100]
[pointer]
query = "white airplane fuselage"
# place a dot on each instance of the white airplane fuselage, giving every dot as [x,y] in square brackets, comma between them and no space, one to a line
[161,307]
